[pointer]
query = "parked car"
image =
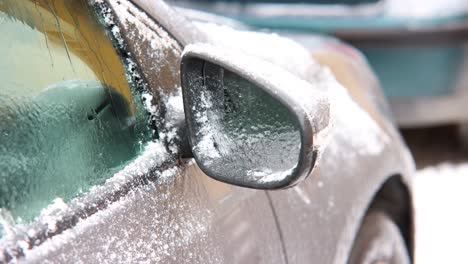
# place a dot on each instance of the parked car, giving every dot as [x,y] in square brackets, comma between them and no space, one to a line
[416,48]
[132,134]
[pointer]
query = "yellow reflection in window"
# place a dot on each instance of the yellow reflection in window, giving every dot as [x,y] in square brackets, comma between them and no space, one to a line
[61,40]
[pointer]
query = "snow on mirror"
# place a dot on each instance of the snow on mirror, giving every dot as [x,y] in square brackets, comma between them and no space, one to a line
[239,133]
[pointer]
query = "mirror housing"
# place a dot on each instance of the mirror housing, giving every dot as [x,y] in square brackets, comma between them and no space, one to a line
[297,115]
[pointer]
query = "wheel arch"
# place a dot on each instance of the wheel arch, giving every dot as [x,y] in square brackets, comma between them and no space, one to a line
[394,198]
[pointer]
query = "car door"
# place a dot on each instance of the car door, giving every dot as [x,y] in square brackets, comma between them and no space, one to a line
[91,167]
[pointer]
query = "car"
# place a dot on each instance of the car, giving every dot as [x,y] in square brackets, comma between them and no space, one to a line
[417,49]
[131,133]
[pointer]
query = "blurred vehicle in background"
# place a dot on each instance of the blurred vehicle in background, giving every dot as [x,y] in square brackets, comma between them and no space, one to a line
[417,48]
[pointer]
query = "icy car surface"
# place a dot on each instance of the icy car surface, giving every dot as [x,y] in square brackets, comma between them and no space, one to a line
[154,204]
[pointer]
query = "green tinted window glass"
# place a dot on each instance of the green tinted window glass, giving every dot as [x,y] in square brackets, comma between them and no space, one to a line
[68,118]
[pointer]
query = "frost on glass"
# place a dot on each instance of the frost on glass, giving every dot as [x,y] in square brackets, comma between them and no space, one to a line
[241,133]
[68,118]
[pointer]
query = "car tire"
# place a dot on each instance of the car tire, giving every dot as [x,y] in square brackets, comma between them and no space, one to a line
[379,241]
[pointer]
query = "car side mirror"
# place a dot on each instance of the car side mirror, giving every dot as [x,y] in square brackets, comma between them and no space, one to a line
[250,123]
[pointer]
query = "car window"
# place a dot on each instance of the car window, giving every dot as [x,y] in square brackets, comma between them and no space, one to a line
[68,117]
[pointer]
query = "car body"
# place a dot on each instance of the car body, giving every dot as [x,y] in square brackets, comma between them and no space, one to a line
[159,206]
[417,49]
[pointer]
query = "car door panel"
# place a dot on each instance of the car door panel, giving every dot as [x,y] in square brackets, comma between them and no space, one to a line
[327,206]
[179,218]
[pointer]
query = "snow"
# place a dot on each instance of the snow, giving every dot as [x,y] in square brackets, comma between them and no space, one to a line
[173,118]
[266,46]
[440,196]
[207,131]
[311,95]
[103,217]
[308,98]
[175,103]
[154,154]
[150,165]
[143,32]
[131,17]
[360,130]
[362,133]
[148,102]
[47,214]
[425,8]
[312,90]
[7,223]
[316,90]
[266,175]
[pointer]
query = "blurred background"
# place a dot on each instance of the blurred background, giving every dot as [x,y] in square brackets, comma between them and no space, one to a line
[418,50]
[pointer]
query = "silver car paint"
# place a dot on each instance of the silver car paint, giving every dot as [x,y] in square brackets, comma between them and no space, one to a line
[185,217]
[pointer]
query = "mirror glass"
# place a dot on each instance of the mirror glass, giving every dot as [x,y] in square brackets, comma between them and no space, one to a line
[240,134]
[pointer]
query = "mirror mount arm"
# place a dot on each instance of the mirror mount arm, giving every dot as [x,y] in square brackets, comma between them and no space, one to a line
[185,150]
